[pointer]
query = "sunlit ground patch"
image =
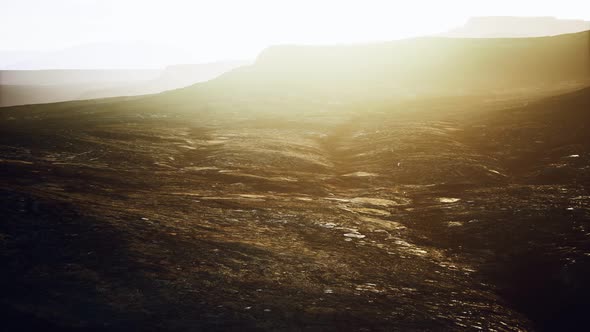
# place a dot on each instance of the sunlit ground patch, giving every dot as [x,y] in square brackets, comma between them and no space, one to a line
[214,142]
[454,224]
[380,201]
[361,174]
[355,235]
[251,196]
[410,248]
[448,200]
[369,211]
[382,224]
[200,168]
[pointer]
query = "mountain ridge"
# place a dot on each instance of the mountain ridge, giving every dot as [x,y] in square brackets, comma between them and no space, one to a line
[420,66]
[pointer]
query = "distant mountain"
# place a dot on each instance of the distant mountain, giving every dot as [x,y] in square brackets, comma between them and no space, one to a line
[510,27]
[183,75]
[172,77]
[76,76]
[19,87]
[411,67]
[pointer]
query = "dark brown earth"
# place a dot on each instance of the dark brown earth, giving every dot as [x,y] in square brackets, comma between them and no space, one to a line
[442,214]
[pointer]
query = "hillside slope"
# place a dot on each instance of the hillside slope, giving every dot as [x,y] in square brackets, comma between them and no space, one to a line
[413,67]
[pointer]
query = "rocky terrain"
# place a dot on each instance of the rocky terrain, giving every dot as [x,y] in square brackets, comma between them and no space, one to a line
[221,207]
[372,218]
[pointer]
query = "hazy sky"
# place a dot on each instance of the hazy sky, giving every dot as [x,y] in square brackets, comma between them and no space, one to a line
[225,29]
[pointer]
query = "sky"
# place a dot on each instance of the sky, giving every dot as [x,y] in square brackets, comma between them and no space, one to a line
[233,29]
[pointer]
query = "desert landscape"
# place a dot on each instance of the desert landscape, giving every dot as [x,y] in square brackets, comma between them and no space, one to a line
[424,184]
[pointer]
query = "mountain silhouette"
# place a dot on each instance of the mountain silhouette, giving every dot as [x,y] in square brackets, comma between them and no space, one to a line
[21,87]
[426,66]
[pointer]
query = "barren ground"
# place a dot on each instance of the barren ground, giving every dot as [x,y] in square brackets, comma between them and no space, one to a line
[439,215]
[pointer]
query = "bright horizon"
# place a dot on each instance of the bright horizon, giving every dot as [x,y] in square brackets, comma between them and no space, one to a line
[213,30]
